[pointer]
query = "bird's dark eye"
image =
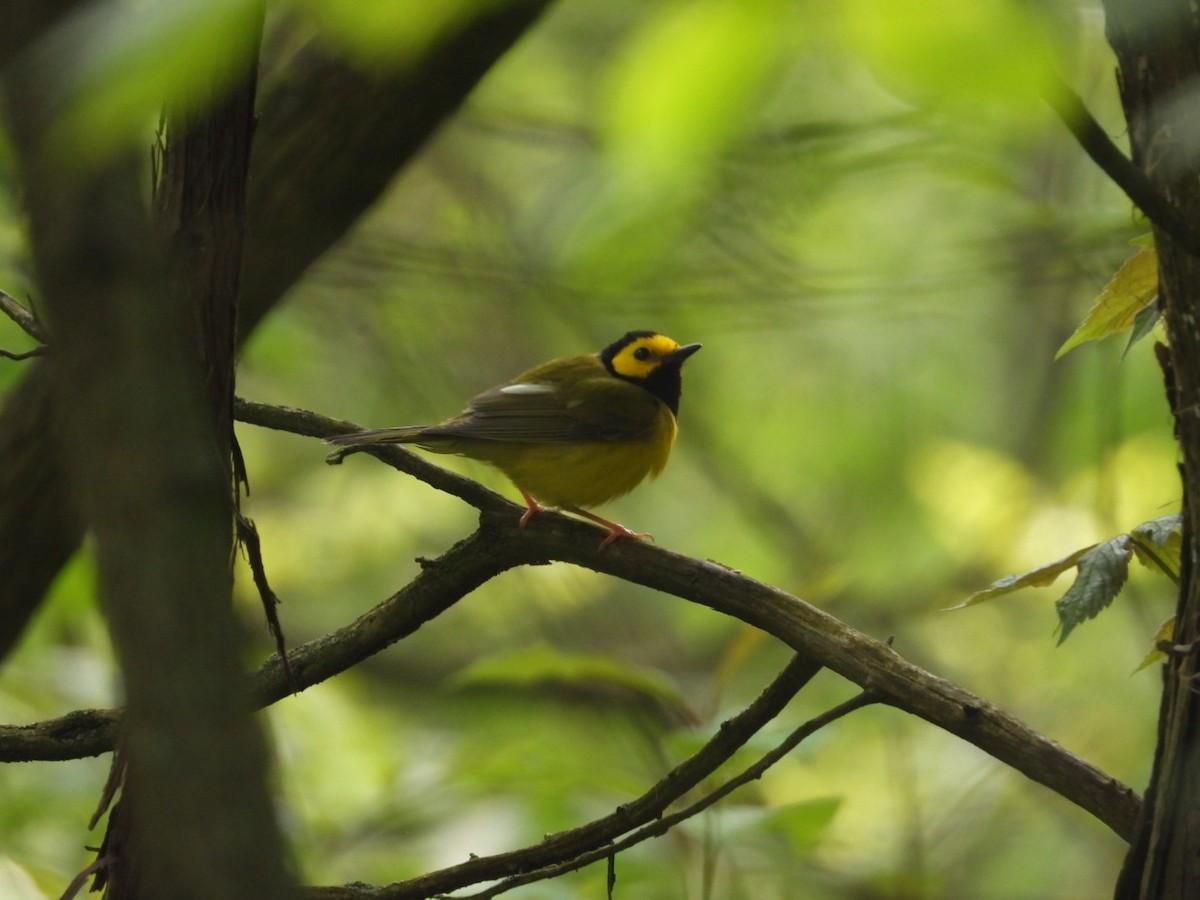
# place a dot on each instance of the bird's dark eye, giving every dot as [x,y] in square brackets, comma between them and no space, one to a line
[642,353]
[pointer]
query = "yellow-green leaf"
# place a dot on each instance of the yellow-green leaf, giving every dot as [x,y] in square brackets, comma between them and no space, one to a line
[680,90]
[1132,288]
[804,823]
[390,34]
[1039,577]
[1158,544]
[1165,630]
[994,53]
[582,676]
[120,62]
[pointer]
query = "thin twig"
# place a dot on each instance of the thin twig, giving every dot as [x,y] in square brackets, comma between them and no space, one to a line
[310,424]
[1095,141]
[97,865]
[24,318]
[247,534]
[666,823]
[116,776]
[28,354]
[569,845]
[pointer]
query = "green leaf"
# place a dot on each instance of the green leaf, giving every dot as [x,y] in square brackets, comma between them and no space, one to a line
[1103,569]
[17,881]
[1143,323]
[805,823]
[1102,573]
[679,91]
[122,61]
[390,34]
[1165,630]
[801,824]
[1039,577]
[993,53]
[583,676]
[1131,290]
[1162,531]
[1158,544]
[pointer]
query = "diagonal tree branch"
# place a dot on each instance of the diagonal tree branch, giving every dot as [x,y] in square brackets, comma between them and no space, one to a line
[869,663]
[23,355]
[1095,141]
[24,319]
[648,831]
[500,545]
[576,843]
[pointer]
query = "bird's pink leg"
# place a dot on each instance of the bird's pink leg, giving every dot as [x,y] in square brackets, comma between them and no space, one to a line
[616,531]
[534,509]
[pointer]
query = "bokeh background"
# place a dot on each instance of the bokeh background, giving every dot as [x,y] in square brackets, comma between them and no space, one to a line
[881,233]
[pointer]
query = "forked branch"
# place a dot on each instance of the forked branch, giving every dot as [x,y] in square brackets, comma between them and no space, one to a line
[499,545]
[663,825]
[869,663]
[569,850]
[1096,143]
[27,322]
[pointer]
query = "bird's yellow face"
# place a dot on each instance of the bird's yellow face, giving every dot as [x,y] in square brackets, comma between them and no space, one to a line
[638,359]
[651,361]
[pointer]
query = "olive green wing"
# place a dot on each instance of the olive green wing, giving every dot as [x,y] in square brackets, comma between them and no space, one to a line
[564,401]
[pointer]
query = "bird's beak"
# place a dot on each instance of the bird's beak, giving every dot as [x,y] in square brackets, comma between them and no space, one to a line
[678,356]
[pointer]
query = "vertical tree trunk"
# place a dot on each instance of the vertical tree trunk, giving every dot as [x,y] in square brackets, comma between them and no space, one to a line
[1158,50]
[142,328]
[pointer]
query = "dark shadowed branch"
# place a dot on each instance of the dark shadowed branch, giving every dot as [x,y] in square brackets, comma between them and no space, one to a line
[819,637]
[594,841]
[22,355]
[869,663]
[1096,143]
[25,320]
[653,829]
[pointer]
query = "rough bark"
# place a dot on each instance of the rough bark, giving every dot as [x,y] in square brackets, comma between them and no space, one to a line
[1158,50]
[136,442]
[200,210]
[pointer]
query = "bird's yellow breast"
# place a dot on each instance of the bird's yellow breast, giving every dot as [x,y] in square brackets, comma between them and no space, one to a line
[579,474]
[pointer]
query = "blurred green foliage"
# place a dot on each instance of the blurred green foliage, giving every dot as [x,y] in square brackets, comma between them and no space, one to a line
[132,55]
[881,235]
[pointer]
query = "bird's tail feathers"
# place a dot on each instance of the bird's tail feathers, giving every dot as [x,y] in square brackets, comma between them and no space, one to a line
[405,434]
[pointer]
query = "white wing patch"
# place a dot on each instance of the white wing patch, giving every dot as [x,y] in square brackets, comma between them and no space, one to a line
[527,389]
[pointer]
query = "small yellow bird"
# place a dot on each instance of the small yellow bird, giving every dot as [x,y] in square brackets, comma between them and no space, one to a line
[570,433]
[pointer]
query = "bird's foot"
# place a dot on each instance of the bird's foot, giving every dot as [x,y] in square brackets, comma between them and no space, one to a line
[616,531]
[534,509]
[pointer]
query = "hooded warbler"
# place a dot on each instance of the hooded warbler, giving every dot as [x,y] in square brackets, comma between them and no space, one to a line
[571,433]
